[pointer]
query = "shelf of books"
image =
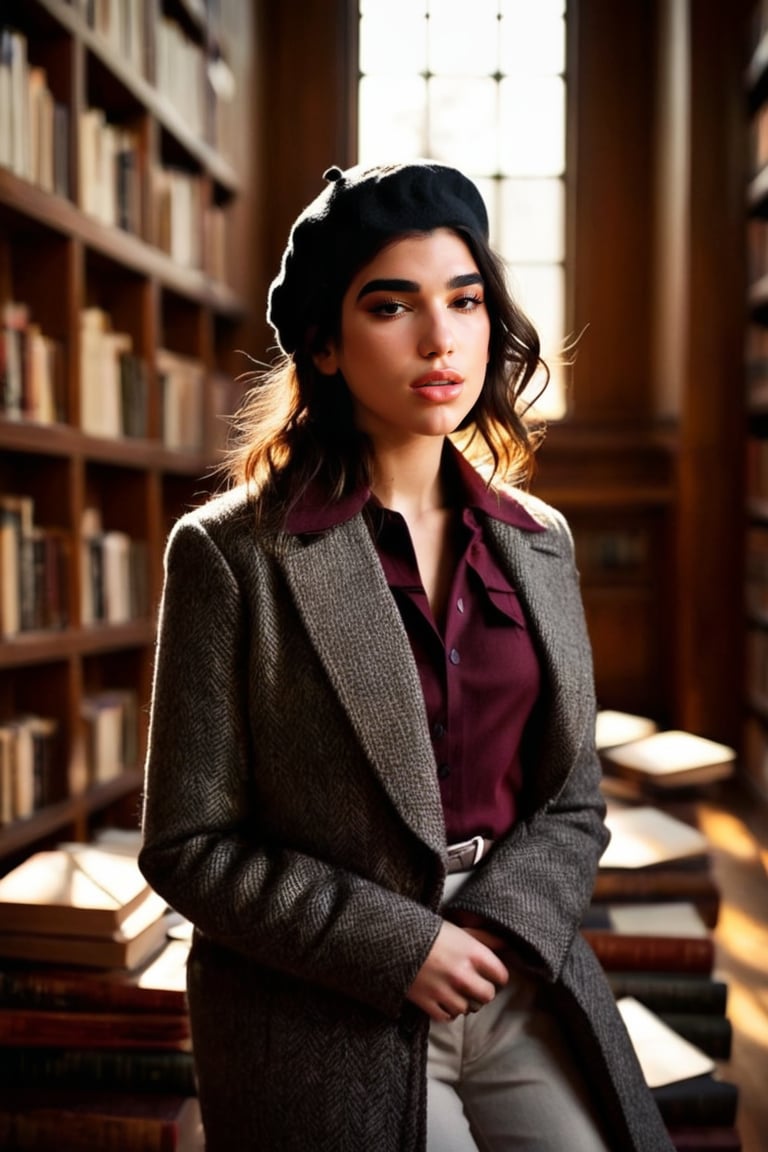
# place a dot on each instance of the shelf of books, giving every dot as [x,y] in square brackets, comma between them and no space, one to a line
[756,566]
[121,314]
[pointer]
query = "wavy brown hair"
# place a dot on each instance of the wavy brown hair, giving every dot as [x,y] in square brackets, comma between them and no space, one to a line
[296,428]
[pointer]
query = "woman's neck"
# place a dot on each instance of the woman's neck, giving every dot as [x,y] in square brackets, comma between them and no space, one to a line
[407,478]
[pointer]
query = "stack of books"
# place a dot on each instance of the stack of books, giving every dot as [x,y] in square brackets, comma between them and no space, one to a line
[655,904]
[95,1047]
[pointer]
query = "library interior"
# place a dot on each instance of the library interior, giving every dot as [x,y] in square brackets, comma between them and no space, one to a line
[153,155]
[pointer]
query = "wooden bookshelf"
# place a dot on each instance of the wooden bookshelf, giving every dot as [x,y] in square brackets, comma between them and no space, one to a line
[122,226]
[755,757]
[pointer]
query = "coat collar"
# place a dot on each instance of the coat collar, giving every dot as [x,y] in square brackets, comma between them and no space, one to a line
[317,513]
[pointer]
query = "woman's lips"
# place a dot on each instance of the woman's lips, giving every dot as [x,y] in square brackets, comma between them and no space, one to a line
[439,386]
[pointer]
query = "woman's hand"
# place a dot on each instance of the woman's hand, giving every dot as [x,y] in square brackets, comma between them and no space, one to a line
[460,975]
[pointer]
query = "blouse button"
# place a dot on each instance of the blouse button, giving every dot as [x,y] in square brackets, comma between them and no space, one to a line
[460,604]
[438,730]
[444,771]
[453,656]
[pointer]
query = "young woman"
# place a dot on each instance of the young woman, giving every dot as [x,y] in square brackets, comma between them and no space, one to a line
[372,783]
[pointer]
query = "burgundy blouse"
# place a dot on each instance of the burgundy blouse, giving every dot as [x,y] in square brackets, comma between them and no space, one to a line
[479,673]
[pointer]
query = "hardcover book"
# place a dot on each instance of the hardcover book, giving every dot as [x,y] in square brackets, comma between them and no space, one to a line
[646,837]
[672,991]
[51,1028]
[613,728]
[673,759]
[108,1069]
[157,986]
[650,937]
[140,937]
[78,890]
[708,1138]
[109,1122]
[665,1056]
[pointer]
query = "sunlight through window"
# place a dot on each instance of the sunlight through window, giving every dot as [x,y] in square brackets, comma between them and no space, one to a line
[481,86]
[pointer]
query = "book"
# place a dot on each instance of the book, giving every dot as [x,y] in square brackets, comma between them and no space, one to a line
[709,1138]
[108,1069]
[77,890]
[157,986]
[658,886]
[15,526]
[711,1033]
[646,837]
[656,857]
[650,937]
[43,1028]
[698,1101]
[671,759]
[107,1121]
[665,1057]
[141,936]
[613,728]
[664,991]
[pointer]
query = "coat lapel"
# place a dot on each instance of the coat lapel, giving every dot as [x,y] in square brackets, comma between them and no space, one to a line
[540,566]
[353,622]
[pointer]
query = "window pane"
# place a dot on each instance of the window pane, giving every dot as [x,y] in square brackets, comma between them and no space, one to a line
[489,190]
[532,37]
[532,126]
[463,37]
[393,38]
[532,221]
[366,7]
[463,123]
[394,119]
[540,292]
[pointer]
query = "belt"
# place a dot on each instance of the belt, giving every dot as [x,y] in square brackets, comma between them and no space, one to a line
[468,853]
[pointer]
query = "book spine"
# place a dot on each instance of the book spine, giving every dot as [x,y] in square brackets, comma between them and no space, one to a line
[652,953]
[705,1139]
[666,991]
[40,1130]
[113,1071]
[40,1028]
[706,904]
[712,1034]
[675,884]
[38,988]
[697,1102]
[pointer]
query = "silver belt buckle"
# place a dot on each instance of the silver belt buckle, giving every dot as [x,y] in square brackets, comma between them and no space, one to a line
[475,842]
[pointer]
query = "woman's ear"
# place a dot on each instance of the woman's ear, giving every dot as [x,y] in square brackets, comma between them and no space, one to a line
[326,360]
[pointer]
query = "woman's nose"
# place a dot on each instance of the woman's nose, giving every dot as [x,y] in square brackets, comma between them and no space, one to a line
[437,335]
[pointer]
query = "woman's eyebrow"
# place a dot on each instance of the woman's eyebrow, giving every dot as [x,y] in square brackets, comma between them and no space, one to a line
[462,281]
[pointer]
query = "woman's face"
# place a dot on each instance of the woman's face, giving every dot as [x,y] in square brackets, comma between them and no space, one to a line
[414,341]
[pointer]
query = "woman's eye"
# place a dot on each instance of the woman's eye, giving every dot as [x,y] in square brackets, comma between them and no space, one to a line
[467,303]
[388,308]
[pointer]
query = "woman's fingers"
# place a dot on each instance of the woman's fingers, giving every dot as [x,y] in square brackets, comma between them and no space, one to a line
[459,975]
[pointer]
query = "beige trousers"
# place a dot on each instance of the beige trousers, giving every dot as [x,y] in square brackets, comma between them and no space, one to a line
[504,1080]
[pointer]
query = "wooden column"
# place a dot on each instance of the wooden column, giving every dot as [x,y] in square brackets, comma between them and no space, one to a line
[698,347]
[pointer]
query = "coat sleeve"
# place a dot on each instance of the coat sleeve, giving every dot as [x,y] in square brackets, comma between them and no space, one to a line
[538,881]
[201,848]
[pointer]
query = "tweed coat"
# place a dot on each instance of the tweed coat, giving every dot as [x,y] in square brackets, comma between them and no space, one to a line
[292,813]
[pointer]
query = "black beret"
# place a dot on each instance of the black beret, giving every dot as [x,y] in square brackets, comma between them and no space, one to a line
[353,217]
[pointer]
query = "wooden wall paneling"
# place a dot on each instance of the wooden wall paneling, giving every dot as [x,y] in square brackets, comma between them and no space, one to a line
[611,90]
[308,65]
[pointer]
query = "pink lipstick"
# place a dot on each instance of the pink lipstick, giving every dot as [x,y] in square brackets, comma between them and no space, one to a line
[439,385]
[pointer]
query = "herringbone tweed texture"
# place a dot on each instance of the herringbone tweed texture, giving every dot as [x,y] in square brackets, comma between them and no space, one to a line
[292,813]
